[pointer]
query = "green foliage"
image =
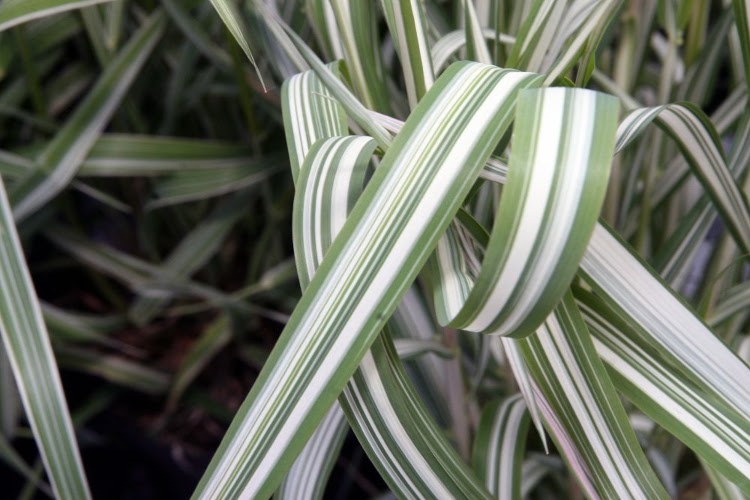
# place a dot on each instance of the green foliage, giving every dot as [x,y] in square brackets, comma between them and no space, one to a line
[500,214]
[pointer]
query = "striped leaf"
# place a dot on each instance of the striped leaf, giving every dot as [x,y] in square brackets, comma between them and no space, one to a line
[304,95]
[308,476]
[274,422]
[700,144]
[500,444]
[61,159]
[321,16]
[203,184]
[525,382]
[565,366]
[27,346]
[232,18]
[450,44]
[383,409]
[408,26]
[14,12]
[693,413]
[357,25]
[534,250]
[633,291]
[742,19]
[120,155]
[408,448]
[354,108]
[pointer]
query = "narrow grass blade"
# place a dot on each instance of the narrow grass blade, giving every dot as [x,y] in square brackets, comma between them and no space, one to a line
[742,19]
[193,251]
[145,278]
[62,157]
[634,291]
[693,413]
[536,34]
[323,20]
[13,460]
[357,25]
[562,358]
[27,346]
[475,44]
[500,444]
[566,443]
[408,26]
[308,477]
[203,184]
[408,448]
[231,16]
[14,12]
[121,155]
[447,47]
[354,108]
[525,382]
[696,136]
[115,369]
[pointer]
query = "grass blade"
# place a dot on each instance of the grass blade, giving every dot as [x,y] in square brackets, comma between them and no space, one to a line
[691,412]
[565,366]
[15,12]
[27,346]
[62,157]
[499,446]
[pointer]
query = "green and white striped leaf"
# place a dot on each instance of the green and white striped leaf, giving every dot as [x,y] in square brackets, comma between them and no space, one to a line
[28,348]
[499,446]
[723,488]
[232,18]
[698,140]
[357,25]
[311,113]
[308,476]
[534,249]
[693,413]
[60,160]
[631,289]
[323,21]
[450,44]
[414,319]
[275,421]
[536,33]
[565,442]
[565,366]
[410,451]
[203,184]
[381,406]
[495,170]
[121,155]
[15,12]
[408,26]
[677,256]
[476,47]
[525,383]
[742,19]
[354,108]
